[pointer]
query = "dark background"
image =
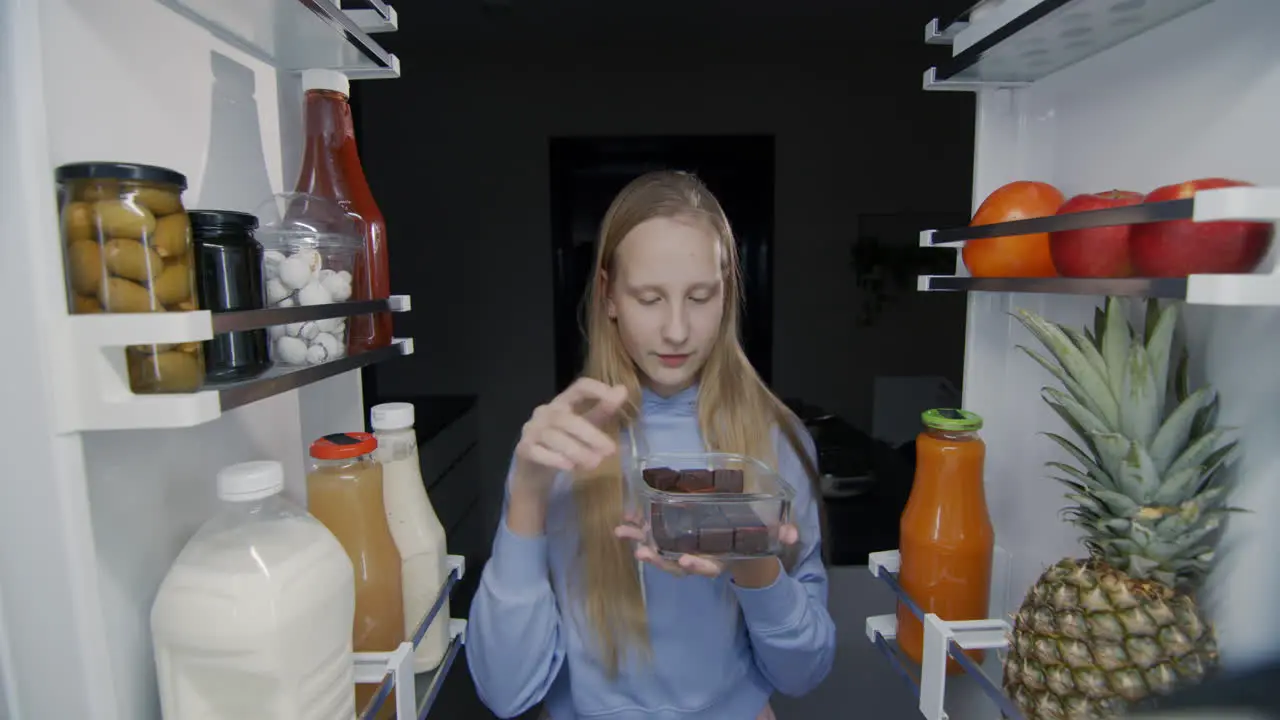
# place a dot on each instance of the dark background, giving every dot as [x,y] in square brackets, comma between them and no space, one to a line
[495,154]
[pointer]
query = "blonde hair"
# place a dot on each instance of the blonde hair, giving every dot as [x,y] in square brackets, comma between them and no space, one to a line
[736,411]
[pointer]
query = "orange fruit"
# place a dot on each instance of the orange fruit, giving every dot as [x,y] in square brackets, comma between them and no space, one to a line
[1015,255]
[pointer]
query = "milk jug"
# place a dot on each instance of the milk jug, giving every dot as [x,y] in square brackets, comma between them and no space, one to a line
[253,620]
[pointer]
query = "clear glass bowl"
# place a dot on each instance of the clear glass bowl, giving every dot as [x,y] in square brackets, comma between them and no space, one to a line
[717,505]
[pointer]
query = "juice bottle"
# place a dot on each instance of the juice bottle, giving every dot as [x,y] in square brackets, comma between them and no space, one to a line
[331,169]
[344,491]
[946,537]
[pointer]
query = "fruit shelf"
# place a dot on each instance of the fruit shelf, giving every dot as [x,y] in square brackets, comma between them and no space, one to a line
[100,398]
[941,639]
[1019,42]
[395,668]
[1260,204]
[296,35]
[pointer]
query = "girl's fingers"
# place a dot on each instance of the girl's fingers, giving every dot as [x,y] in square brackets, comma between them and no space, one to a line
[548,457]
[700,566]
[558,441]
[629,532]
[584,432]
[788,534]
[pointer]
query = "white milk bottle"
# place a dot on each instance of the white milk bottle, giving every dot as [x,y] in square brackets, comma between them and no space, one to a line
[253,620]
[416,529]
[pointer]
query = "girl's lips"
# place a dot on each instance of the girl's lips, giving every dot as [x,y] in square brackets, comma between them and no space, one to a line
[673,360]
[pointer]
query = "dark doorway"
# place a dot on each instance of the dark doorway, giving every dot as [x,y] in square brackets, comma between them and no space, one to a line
[586,173]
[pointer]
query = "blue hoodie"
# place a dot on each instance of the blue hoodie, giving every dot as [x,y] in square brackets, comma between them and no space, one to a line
[528,641]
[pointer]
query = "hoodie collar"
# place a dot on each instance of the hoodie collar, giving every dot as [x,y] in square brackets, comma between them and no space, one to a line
[684,402]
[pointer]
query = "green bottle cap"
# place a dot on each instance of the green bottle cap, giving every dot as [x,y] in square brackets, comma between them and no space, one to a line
[952,419]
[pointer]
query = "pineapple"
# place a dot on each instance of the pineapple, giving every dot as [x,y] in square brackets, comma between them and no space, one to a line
[1094,636]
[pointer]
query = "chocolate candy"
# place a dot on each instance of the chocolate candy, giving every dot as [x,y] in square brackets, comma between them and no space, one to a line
[662,478]
[728,480]
[703,528]
[694,481]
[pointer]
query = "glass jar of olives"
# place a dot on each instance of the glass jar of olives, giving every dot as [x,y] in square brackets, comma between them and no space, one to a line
[127,249]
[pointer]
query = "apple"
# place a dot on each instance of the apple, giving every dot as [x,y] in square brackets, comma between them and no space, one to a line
[1099,252]
[1178,248]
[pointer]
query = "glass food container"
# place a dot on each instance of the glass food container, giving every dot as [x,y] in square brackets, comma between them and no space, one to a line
[127,249]
[229,279]
[712,504]
[312,250]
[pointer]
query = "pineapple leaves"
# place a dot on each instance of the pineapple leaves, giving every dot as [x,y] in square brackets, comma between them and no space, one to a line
[1139,413]
[1077,391]
[1176,430]
[1074,361]
[1096,472]
[1160,346]
[1198,452]
[1114,338]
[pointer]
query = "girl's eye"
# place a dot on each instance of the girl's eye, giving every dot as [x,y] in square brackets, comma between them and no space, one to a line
[649,300]
[700,299]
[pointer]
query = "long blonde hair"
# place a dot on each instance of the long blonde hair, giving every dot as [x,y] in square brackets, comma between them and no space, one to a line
[736,411]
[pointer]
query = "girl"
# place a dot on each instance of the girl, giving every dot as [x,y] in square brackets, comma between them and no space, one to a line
[570,610]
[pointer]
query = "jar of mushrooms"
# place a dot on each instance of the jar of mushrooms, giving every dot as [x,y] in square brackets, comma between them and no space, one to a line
[127,249]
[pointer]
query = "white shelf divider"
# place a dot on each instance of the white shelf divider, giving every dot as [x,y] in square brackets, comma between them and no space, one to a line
[394,669]
[942,639]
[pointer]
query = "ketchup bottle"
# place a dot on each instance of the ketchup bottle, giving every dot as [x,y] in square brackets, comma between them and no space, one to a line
[331,169]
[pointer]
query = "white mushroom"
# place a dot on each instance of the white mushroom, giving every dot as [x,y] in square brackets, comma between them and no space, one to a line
[314,294]
[332,348]
[295,273]
[276,291]
[291,350]
[337,288]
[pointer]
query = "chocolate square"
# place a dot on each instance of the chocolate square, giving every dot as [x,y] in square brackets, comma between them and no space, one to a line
[662,478]
[750,535]
[715,533]
[695,481]
[674,528]
[728,480]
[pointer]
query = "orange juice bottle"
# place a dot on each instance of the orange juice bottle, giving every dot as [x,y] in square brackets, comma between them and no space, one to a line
[344,491]
[945,535]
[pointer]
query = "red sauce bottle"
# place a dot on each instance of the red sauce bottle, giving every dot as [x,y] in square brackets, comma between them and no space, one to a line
[331,169]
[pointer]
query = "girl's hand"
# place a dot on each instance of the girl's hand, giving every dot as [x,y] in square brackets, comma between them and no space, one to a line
[633,529]
[565,433]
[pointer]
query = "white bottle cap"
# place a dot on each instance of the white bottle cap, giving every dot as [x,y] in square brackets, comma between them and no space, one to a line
[391,416]
[322,79]
[248,481]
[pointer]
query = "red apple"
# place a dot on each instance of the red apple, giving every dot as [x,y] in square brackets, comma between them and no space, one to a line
[1178,248]
[1094,252]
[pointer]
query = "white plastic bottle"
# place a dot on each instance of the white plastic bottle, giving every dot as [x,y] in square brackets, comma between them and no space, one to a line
[253,620]
[416,529]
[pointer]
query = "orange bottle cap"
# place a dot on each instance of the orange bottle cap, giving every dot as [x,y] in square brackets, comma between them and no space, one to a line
[341,446]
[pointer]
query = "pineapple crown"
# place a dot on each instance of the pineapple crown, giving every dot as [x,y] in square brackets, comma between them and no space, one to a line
[1149,493]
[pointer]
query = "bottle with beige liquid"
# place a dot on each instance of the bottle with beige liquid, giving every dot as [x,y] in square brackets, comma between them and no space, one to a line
[345,492]
[418,533]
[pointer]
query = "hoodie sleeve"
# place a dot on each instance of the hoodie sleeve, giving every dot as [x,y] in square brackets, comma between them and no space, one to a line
[515,646]
[792,635]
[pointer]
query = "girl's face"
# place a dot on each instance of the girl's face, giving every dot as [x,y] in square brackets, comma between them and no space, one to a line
[667,299]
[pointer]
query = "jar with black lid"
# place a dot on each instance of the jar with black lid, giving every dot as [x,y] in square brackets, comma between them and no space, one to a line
[229,279]
[127,249]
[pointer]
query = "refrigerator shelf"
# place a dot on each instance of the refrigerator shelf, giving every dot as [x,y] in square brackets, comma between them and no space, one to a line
[941,639]
[1021,42]
[395,668]
[102,400]
[1259,204]
[296,35]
